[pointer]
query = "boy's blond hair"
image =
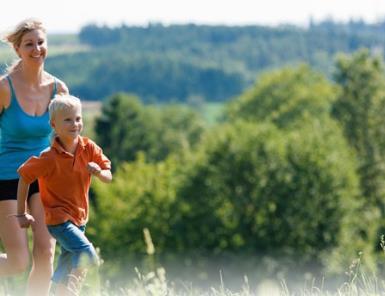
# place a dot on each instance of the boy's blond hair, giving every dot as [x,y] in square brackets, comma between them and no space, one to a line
[63,102]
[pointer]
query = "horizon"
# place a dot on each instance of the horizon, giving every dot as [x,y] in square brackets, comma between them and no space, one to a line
[299,25]
[75,14]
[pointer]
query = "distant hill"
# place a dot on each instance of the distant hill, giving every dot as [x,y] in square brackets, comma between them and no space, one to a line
[184,62]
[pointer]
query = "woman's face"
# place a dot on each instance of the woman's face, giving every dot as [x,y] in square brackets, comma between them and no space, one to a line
[33,47]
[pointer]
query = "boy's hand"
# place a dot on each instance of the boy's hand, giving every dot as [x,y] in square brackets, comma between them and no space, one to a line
[94,168]
[25,220]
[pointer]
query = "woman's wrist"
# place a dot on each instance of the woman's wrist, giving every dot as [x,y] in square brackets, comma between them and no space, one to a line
[18,215]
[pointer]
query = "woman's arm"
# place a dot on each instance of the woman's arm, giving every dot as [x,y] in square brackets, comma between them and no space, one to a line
[62,88]
[5,93]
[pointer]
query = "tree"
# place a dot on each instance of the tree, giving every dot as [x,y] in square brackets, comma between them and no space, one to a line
[360,110]
[142,195]
[256,189]
[284,97]
[127,127]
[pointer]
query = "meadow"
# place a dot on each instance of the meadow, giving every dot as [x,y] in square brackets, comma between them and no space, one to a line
[357,282]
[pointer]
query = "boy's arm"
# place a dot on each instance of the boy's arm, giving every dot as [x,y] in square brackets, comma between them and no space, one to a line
[103,175]
[22,216]
[100,165]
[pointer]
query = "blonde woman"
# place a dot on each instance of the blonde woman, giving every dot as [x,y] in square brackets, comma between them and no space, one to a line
[25,93]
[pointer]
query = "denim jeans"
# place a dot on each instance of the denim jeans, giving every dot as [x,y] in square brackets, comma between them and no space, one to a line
[76,250]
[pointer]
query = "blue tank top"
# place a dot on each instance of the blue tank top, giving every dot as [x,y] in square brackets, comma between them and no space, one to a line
[22,136]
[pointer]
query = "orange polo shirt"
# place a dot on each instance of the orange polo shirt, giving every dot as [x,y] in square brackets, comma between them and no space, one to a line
[64,180]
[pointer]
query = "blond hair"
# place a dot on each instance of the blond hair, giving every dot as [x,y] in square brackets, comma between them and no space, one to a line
[63,102]
[16,35]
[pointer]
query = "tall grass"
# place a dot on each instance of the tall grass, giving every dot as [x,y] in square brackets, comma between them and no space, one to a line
[157,283]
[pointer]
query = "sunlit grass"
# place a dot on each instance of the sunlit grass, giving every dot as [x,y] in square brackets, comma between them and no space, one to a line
[156,283]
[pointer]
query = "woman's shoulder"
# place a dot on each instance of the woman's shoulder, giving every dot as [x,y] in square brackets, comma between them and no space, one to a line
[5,92]
[4,82]
[61,87]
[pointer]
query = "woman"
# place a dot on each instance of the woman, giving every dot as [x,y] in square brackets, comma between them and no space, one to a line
[25,93]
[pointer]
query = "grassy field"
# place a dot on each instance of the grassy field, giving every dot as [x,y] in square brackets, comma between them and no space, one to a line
[156,283]
[211,112]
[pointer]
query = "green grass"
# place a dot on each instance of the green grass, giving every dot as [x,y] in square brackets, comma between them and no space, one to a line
[357,281]
[156,283]
[66,49]
[212,112]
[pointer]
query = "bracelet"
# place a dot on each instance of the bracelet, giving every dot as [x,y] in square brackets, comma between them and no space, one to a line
[17,215]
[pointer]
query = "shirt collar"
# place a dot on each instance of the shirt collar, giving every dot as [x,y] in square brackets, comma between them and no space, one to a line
[59,148]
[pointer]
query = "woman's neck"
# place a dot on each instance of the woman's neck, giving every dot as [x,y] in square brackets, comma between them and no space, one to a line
[31,75]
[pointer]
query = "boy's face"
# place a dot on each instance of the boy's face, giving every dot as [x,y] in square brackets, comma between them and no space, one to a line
[68,123]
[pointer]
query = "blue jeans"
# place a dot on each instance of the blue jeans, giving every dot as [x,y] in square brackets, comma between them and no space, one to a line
[76,250]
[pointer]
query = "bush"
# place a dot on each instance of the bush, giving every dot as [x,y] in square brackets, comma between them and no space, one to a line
[257,190]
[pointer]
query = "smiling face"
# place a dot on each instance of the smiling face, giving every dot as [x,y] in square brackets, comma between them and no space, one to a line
[33,47]
[68,123]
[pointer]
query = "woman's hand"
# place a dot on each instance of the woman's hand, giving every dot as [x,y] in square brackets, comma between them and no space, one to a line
[25,220]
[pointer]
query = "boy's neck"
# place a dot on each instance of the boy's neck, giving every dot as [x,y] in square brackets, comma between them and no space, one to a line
[69,145]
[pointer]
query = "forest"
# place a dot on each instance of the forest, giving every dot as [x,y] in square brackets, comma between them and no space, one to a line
[182,63]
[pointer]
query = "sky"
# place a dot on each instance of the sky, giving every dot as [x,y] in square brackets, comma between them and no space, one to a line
[70,15]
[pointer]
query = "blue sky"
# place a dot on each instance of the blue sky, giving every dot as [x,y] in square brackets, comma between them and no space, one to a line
[70,15]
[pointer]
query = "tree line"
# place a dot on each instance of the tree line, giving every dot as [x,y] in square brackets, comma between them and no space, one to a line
[175,63]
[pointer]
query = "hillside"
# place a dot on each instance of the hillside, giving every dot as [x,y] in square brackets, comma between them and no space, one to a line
[182,63]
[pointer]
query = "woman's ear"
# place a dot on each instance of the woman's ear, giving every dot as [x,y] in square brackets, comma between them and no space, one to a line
[16,48]
[52,123]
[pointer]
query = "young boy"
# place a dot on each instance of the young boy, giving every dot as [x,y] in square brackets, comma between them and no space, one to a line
[64,173]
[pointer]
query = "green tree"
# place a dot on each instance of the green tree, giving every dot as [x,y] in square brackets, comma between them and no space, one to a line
[284,97]
[142,195]
[127,127]
[360,110]
[255,189]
